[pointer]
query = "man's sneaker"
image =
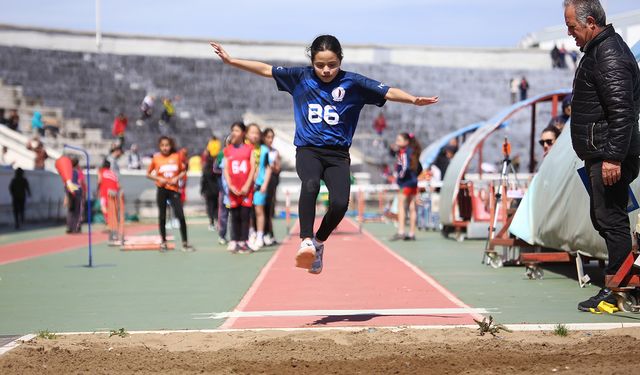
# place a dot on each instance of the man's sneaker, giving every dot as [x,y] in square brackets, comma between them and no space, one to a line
[188,248]
[397,237]
[306,255]
[256,245]
[163,247]
[222,241]
[409,238]
[604,294]
[233,246]
[316,267]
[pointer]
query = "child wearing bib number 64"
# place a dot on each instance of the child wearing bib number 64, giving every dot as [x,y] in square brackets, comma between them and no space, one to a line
[326,102]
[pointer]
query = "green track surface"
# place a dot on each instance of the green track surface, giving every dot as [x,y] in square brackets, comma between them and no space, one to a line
[457,266]
[136,290]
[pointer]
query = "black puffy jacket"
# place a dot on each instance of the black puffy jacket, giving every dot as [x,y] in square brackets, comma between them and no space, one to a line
[606,100]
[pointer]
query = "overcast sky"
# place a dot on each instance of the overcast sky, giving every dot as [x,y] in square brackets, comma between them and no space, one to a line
[469,23]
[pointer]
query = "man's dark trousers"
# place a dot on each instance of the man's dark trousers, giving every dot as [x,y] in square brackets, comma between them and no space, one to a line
[609,209]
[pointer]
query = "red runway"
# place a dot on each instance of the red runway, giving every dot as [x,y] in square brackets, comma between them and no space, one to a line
[18,251]
[360,273]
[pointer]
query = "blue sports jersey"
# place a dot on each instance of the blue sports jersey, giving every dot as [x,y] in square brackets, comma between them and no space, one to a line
[262,165]
[326,114]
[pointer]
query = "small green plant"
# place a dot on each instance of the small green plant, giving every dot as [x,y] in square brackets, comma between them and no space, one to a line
[45,334]
[561,330]
[489,326]
[118,332]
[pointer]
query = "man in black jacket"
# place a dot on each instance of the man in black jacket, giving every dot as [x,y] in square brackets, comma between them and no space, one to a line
[604,127]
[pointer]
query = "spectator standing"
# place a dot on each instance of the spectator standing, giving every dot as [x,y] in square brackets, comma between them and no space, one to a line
[223,197]
[562,57]
[146,109]
[407,171]
[75,199]
[272,187]
[14,120]
[5,160]
[113,158]
[168,111]
[380,124]
[19,189]
[514,85]
[37,125]
[604,128]
[209,189]
[119,128]
[37,147]
[524,88]
[134,161]
[3,121]
[555,57]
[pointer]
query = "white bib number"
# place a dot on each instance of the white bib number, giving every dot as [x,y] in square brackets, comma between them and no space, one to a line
[328,114]
[238,166]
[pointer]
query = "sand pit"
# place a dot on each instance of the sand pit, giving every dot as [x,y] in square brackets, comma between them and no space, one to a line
[366,351]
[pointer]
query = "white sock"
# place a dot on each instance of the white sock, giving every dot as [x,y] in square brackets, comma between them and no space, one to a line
[260,235]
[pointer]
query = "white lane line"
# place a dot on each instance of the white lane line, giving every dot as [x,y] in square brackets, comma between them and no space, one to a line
[513,327]
[378,312]
[420,273]
[15,343]
[256,283]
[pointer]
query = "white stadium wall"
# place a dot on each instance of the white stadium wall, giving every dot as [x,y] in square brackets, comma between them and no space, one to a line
[67,40]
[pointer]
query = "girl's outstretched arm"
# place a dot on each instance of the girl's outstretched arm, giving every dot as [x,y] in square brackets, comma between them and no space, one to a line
[255,67]
[397,95]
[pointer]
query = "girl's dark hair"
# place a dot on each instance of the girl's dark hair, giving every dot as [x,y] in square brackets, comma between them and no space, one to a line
[172,143]
[325,43]
[415,147]
[106,164]
[239,124]
[265,132]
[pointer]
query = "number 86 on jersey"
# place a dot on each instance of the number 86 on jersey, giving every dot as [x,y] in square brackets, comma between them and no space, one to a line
[317,113]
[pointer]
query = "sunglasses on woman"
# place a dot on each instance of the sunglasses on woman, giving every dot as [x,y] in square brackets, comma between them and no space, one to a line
[548,142]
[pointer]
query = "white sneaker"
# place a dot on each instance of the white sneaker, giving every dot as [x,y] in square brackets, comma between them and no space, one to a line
[222,241]
[256,245]
[306,255]
[212,228]
[232,246]
[268,241]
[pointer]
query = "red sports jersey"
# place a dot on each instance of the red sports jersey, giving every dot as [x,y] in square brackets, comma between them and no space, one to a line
[239,165]
[238,159]
[108,181]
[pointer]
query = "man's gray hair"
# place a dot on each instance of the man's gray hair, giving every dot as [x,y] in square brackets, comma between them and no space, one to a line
[586,8]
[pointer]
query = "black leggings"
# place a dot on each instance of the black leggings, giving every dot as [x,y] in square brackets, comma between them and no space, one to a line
[240,223]
[212,207]
[173,197]
[332,166]
[270,206]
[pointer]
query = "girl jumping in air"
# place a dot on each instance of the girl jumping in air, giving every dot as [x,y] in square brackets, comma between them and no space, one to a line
[166,169]
[327,102]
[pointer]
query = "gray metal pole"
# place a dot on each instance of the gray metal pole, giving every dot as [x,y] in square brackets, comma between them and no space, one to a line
[98,31]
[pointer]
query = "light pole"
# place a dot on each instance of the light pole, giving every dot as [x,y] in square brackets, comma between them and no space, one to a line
[98,32]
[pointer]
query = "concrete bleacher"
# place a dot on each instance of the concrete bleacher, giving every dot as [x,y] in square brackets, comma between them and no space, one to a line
[95,87]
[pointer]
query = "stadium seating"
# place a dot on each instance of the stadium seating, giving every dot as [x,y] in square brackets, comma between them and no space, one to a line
[95,87]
